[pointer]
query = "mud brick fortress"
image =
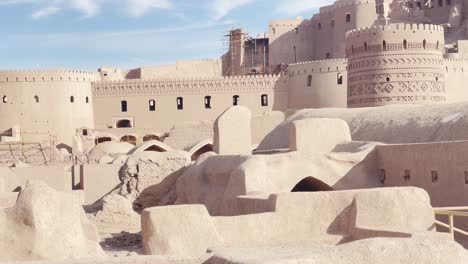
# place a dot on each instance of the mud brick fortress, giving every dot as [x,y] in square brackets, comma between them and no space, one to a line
[341,138]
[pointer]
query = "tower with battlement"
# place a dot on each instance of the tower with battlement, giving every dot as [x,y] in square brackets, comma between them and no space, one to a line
[395,64]
[46,104]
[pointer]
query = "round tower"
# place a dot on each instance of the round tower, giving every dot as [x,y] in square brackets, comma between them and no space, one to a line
[395,64]
[38,106]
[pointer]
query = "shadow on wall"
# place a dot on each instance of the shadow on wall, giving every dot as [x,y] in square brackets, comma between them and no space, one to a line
[363,175]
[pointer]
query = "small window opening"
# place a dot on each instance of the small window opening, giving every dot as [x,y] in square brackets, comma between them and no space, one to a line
[405,44]
[123,106]
[348,17]
[407,176]
[235,100]
[264,100]
[36,99]
[152,105]
[435,176]
[72,99]
[207,102]
[339,79]
[5,99]
[309,80]
[382,176]
[87,99]
[180,103]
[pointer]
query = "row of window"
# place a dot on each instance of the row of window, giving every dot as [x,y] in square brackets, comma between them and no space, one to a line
[347,19]
[36,99]
[407,176]
[429,3]
[180,103]
[339,79]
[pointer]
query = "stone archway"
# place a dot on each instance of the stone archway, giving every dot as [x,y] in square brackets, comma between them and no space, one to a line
[311,184]
[102,140]
[129,139]
[206,148]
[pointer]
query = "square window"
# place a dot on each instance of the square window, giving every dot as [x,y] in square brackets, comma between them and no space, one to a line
[348,17]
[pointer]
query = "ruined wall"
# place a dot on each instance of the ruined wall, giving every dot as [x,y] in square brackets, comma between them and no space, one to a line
[138,94]
[395,64]
[44,103]
[318,84]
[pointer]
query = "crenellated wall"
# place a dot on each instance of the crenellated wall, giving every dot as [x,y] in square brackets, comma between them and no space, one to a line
[108,96]
[396,64]
[317,84]
[46,103]
[321,37]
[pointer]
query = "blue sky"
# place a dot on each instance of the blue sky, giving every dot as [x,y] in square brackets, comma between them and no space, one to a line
[85,34]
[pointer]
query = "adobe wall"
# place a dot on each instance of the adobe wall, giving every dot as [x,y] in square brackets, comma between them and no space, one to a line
[138,93]
[456,71]
[290,41]
[424,162]
[395,64]
[321,37]
[181,69]
[51,112]
[318,84]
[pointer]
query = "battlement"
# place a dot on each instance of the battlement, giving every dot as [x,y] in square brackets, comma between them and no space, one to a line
[391,28]
[47,75]
[189,86]
[319,66]
[201,79]
[344,3]
[325,62]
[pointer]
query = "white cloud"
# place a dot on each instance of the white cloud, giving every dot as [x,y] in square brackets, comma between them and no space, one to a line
[221,8]
[294,7]
[45,12]
[138,8]
[90,8]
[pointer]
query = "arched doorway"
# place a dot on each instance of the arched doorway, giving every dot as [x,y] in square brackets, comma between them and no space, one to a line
[124,123]
[150,137]
[101,140]
[311,184]
[201,151]
[129,139]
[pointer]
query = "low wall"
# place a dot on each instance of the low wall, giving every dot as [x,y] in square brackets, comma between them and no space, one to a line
[350,215]
[440,168]
[58,178]
[98,180]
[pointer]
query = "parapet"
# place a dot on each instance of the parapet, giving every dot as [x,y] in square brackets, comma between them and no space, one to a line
[391,28]
[248,83]
[344,3]
[48,75]
[318,66]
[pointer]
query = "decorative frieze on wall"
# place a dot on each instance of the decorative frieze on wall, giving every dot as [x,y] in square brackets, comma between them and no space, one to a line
[246,84]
